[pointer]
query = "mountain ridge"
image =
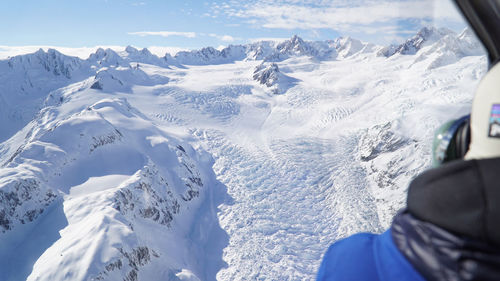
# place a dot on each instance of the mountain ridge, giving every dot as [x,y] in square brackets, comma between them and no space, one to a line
[272,51]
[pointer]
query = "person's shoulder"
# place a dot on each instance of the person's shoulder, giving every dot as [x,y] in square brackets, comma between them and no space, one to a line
[351,258]
[357,243]
[364,257]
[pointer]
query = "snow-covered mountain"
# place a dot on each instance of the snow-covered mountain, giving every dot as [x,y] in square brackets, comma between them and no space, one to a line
[106,57]
[26,80]
[122,79]
[236,164]
[143,56]
[298,47]
[348,46]
[439,46]
[264,50]
[451,48]
[268,74]
[426,36]
[105,178]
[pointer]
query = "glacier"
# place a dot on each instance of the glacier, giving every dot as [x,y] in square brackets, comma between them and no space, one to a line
[242,163]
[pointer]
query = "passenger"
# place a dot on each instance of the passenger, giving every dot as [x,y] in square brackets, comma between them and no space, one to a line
[450,229]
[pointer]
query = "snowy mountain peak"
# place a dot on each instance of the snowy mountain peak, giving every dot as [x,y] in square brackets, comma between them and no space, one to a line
[106,57]
[99,53]
[297,39]
[144,52]
[206,55]
[259,50]
[40,51]
[450,48]
[51,61]
[348,46]
[295,42]
[424,37]
[131,50]
[238,52]
[269,74]
[131,54]
[431,34]
[122,79]
[105,79]
[295,45]
[468,35]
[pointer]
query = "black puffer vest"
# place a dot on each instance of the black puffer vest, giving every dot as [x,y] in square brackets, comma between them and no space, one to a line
[451,227]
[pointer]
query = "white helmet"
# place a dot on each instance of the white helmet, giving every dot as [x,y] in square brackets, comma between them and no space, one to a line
[485,117]
[484,18]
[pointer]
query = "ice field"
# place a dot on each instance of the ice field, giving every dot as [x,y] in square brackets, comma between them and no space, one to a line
[235,164]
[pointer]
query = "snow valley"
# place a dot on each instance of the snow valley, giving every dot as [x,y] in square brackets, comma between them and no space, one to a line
[235,164]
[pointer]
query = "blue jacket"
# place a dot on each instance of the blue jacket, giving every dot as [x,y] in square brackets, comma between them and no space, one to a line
[366,256]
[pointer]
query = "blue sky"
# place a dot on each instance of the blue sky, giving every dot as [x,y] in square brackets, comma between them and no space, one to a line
[199,23]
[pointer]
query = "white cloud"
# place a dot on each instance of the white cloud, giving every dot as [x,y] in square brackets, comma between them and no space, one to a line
[225,38]
[341,15]
[291,16]
[164,33]
[274,39]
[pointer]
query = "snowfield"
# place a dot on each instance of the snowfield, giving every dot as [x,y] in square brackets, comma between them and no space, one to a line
[236,164]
